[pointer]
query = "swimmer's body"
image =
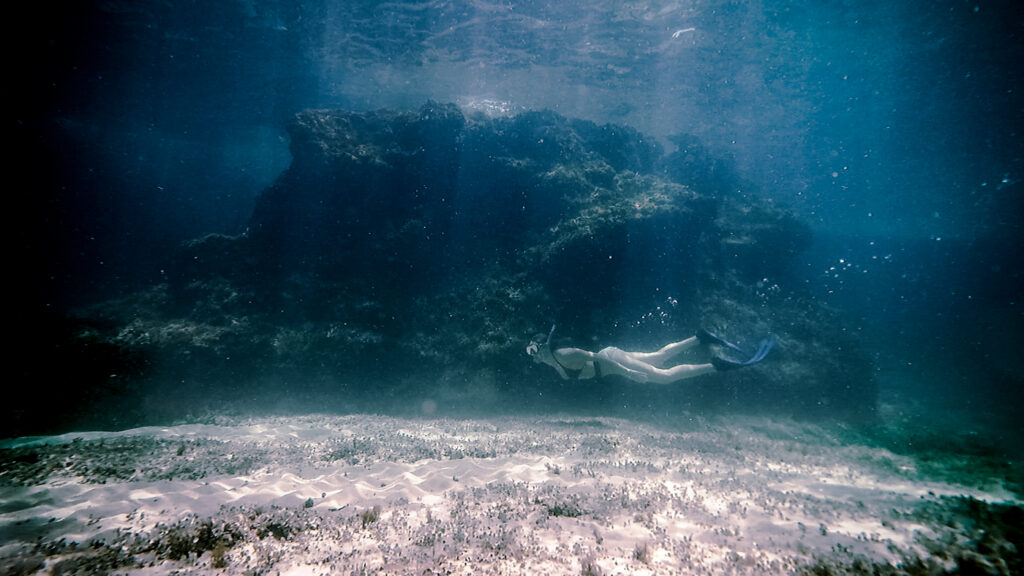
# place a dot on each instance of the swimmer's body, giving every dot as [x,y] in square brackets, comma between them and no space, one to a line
[579,364]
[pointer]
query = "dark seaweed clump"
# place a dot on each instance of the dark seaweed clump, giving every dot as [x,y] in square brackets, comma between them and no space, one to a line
[988,540]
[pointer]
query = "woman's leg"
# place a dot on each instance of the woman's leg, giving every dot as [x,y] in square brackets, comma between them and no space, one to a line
[666,353]
[680,372]
[628,364]
[632,368]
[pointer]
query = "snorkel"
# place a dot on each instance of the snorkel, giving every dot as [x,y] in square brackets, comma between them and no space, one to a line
[541,352]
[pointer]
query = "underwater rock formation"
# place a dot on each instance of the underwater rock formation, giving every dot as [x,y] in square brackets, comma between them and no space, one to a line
[407,257]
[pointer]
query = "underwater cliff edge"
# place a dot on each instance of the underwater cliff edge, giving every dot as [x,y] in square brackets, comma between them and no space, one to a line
[405,258]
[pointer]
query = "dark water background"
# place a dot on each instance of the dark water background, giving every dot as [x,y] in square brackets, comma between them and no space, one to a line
[892,128]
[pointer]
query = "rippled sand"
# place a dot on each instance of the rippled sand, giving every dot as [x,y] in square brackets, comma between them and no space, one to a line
[341,494]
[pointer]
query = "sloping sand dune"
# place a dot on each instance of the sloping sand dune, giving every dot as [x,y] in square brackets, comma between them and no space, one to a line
[362,494]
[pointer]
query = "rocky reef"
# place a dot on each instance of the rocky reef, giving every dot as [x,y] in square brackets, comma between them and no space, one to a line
[405,258]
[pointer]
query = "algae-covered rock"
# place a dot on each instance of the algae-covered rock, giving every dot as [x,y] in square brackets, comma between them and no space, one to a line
[406,256]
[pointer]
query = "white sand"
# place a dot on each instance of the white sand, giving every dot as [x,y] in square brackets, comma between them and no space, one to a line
[333,495]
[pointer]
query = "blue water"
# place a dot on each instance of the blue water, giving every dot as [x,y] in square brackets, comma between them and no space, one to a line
[891,129]
[329,209]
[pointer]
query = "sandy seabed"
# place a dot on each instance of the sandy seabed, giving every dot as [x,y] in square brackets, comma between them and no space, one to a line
[546,495]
